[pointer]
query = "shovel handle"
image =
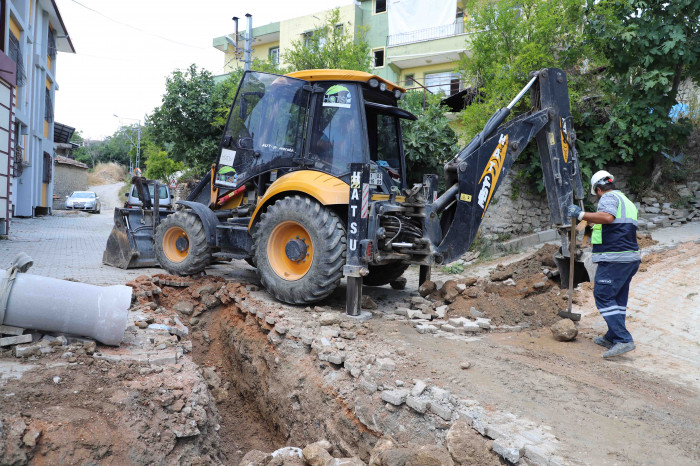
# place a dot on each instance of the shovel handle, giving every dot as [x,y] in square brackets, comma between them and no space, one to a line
[572,250]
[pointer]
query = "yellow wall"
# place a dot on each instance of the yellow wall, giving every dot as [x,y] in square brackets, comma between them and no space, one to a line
[44,189]
[262,51]
[292,29]
[14,29]
[420,72]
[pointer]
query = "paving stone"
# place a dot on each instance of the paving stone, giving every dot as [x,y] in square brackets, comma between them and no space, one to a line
[472,327]
[427,328]
[418,388]
[7,341]
[441,411]
[336,358]
[386,364]
[483,323]
[441,311]
[509,452]
[413,314]
[402,311]
[395,397]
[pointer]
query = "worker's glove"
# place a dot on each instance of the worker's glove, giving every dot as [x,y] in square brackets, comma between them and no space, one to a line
[576,212]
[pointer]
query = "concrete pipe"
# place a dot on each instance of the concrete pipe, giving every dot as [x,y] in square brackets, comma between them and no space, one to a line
[49,304]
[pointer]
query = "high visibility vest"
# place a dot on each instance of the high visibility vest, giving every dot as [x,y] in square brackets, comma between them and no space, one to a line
[617,241]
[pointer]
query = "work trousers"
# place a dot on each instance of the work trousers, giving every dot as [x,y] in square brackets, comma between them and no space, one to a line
[611,290]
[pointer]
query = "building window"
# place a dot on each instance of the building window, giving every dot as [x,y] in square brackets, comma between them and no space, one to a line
[378,58]
[444,82]
[275,55]
[410,80]
[51,46]
[47,168]
[16,55]
[48,110]
[379,6]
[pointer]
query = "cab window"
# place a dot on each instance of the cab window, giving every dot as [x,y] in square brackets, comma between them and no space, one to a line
[337,138]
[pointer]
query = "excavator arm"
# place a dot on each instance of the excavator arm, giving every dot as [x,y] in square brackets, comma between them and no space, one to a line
[475,174]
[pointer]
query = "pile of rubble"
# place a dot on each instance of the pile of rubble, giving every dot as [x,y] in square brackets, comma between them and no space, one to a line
[655,213]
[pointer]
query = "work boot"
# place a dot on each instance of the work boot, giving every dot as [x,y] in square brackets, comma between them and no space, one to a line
[618,349]
[602,341]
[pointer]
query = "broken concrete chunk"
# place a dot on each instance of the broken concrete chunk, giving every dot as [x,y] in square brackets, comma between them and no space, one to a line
[460,442]
[564,330]
[449,291]
[441,311]
[184,307]
[395,397]
[368,303]
[417,404]
[418,388]
[316,455]
[386,364]
[329,318]
[441,411]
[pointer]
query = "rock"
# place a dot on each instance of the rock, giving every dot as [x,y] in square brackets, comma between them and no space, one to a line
[430,455]
[564,330]
[441,311]
[368,303]
[442,411]
[346,462]
[460,442]
[184,307]
[211,377]
[399,283]
[395,397]
[475,313]
[316,454]
[329,318]
[384,444]
[483,323]
[209,301]
[449,291]
[255,458]
[509,282]
[413,314]
[207,288]
[539,285]
[30,437]
[461,287]
[528,311]
[26,351]
[393,457]
[472,293]
[426,328]
[465,365]
[426,288]
[416,300]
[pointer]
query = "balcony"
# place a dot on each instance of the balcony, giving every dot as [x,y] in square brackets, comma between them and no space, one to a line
[438,32]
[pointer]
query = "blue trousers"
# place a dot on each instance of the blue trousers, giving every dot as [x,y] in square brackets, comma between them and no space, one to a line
[611,290]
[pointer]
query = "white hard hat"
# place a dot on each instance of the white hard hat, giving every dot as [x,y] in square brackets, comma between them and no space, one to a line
[600,177]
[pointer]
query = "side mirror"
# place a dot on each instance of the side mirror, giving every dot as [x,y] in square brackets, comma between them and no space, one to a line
[126,195]
[97,197]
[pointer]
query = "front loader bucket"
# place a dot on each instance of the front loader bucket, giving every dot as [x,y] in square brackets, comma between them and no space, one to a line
[129,248]
[584,268]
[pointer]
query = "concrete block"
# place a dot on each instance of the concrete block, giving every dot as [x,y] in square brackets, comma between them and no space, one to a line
[441,411]
[457,321]
[412,314]
[395,397]
[425,328]
[163,359]
[336,358]
[418,388]
[9,330]
[508,452]
[441,311]
[7,341]
[536,455]
[472,327]
[402,311]
[451,329]
[417,404]
[483,323]
[27,351]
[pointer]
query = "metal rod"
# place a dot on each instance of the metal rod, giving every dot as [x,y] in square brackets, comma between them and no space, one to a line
[525,89]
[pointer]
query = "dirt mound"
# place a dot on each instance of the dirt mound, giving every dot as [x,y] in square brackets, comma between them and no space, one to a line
[106,173]
[644,240]
[516,294]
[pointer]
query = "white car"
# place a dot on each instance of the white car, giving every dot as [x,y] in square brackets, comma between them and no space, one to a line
[83,200]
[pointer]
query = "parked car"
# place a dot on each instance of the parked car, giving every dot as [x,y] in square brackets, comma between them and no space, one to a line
[165,199]
[84,200]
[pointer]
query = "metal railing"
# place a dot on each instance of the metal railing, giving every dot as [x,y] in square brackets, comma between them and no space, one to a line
[437,32]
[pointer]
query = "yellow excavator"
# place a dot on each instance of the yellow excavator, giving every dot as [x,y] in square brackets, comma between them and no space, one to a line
[309,186]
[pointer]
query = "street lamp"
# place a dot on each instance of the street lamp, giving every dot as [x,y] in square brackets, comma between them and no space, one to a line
[138,143]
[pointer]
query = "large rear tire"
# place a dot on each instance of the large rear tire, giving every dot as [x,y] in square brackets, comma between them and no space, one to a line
[299,250]
[382,274]
[181,244]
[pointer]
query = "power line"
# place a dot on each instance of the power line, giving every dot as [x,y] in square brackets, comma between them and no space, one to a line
[136,28]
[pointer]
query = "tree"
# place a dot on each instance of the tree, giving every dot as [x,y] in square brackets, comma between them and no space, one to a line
[159,166]
[647,49]
[329,46]
[185,122]
[429,141]
[514,38]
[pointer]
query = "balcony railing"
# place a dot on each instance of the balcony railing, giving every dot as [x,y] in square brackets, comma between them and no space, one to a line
[437,32]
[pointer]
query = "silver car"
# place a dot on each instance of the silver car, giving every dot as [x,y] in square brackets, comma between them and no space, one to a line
[83,200]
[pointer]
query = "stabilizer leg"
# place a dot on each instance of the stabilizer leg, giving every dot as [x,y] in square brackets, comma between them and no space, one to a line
[353,301]
[424,274]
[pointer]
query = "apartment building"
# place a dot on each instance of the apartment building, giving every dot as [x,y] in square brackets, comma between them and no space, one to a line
[32,34]
[413,42]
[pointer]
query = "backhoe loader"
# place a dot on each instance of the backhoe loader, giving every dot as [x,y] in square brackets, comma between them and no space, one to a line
[310,185]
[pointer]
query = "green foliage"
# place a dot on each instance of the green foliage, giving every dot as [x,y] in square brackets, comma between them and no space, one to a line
[429,141]
[159,166]
[453,268]
[329,46]
[648,48]
[185,121]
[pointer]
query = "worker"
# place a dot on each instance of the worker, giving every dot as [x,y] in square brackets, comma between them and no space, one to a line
[616,252]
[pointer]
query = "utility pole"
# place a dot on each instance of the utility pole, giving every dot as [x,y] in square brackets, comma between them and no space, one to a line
[138,148]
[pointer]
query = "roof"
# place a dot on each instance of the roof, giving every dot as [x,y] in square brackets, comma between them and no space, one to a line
[342,75]
[62,133]
[63,41]
[66,161]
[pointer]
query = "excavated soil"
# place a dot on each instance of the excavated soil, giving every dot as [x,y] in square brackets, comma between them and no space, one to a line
[518,294]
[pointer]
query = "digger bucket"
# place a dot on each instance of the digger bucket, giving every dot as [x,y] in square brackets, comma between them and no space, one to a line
[584,268]
[130,244]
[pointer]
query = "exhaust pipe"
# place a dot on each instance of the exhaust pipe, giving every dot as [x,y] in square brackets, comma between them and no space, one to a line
[52,305]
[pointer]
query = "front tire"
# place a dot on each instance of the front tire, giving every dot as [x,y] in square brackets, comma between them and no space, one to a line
[181,244]
[299,250]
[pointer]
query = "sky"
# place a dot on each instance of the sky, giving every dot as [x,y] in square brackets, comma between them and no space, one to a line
[125,52]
